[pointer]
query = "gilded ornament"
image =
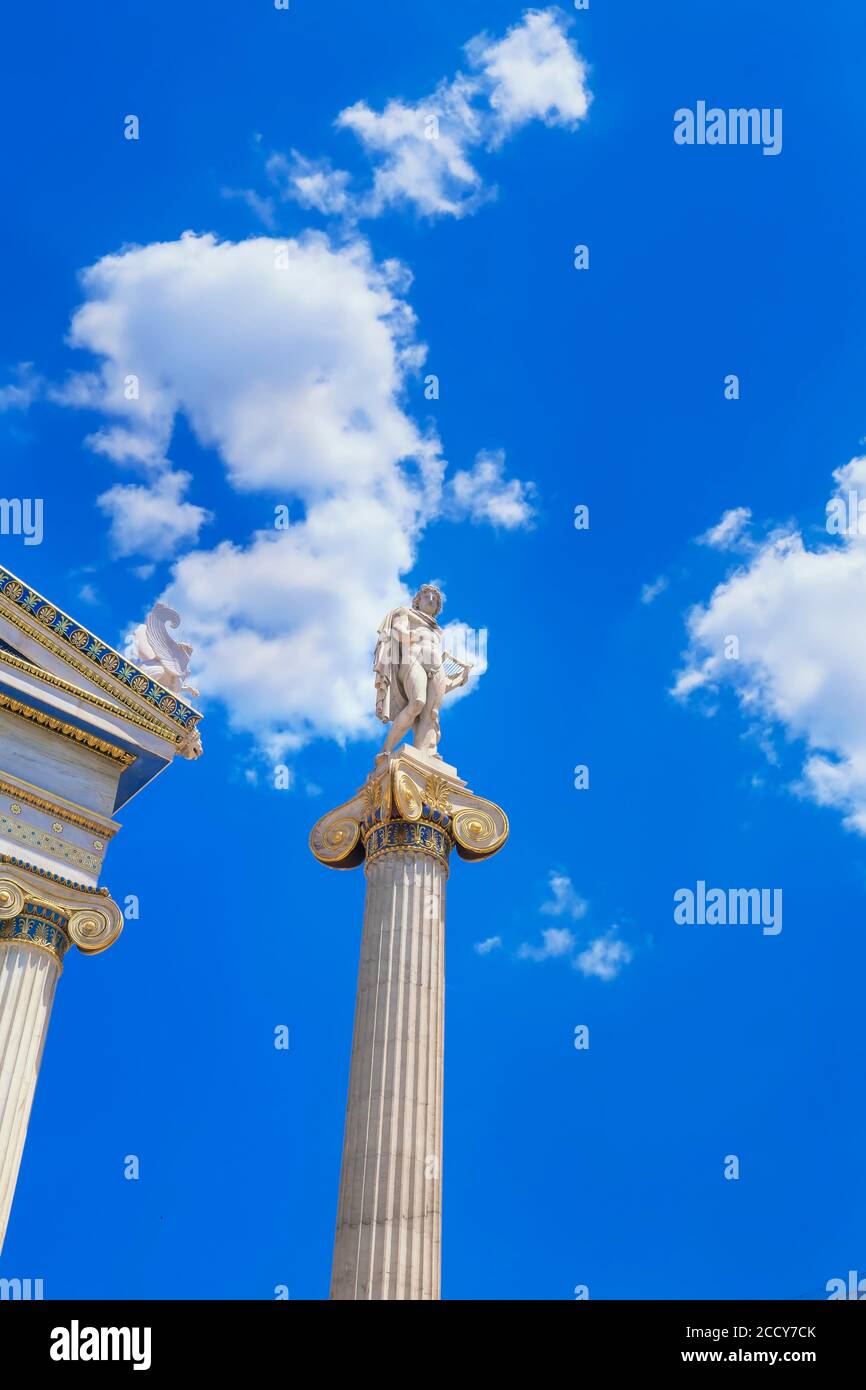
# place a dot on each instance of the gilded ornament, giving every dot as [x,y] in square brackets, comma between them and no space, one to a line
[58,726]
[93,929]
[436,793]
[332,840]
[74,815]
[478,832]
[408,797]
[135,716]
[36,905]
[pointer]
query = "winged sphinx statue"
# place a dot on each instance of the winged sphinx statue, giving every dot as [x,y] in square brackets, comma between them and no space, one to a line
[157,653]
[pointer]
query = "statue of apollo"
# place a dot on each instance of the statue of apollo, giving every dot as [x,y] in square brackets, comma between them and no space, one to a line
[413,673]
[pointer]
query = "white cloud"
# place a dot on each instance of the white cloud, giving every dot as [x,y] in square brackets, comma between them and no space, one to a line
[79,389]
[312,183]
[564,900]
[484,494]
[729,532]
[650,592]
[262,208]
[283,627]
[604,957]
[134,448]
[294,377]
[534,73]
[422,152]
[557,941]
[21,393]
[152,520]
[291,373]
[798,617]
[468,645]
[492,943]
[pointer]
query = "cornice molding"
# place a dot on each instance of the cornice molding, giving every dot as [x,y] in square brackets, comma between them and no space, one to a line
[153,726]
[57,806]
[59,726]
[73,643]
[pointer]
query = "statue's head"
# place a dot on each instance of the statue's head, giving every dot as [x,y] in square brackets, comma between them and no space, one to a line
[428,600]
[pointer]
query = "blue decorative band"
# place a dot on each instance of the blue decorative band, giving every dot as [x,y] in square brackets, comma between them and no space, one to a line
[435,815]
[109,662]
[55,878]
[37,925]
[414,836]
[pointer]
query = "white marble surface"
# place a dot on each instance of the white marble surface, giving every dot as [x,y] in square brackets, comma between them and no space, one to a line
[28,977]
[388,1239]
[57,764]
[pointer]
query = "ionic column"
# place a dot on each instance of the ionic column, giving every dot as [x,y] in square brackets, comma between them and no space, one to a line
[41,915]
[389,1218]
[402,825]
[32,946]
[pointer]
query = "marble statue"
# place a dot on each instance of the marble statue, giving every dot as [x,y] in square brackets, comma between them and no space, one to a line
[413,673]
[156,652]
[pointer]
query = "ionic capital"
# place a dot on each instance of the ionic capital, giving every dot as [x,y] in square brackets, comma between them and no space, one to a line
[409,803]
[43,909]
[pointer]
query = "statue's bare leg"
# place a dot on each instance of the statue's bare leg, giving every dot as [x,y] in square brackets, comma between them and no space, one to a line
[414,683]
[426,735]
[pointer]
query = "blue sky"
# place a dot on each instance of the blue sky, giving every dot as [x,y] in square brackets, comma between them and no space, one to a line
[605,387]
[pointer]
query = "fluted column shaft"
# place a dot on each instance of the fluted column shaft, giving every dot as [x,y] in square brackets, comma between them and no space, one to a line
[389,1220]
[28,978]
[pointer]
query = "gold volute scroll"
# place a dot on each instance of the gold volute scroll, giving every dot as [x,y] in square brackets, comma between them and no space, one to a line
[480,830]
[94,929]
[406,787]
[335,840]
[93,921]
[408,796]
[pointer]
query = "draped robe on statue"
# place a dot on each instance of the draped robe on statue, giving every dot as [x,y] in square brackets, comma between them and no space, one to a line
[395,652]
